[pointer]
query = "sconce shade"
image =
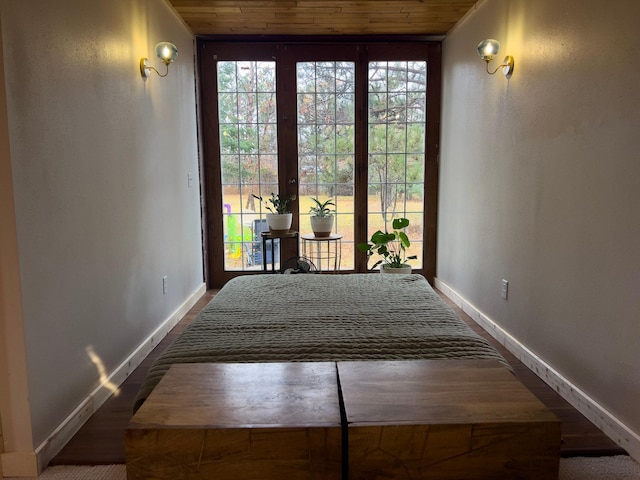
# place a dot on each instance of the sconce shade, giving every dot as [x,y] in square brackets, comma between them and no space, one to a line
[167,52]
[487,49]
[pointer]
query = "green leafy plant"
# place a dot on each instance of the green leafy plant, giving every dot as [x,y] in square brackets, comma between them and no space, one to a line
[321,209]
[277,203]
[391,246]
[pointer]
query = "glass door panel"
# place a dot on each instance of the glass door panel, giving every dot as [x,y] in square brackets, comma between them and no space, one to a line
[326,145]
[396,148]
[248,157]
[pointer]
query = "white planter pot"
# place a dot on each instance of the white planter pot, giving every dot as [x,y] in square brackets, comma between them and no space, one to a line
[404,270]
[279,222]
[322,226]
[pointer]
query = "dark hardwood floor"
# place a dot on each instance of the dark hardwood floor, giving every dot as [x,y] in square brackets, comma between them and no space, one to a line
[101,440]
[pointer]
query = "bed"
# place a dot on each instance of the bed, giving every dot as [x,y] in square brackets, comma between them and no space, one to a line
[303,318]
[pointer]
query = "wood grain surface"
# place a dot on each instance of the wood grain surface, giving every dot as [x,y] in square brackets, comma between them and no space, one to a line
[230,421]
[321,17]
[440,419]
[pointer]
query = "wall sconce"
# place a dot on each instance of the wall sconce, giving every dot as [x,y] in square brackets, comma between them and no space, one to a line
[487,49]
[167,52]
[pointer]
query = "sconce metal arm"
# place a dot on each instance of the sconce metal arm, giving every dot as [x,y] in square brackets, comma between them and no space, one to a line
[145,67]
[497,68]
[508,64]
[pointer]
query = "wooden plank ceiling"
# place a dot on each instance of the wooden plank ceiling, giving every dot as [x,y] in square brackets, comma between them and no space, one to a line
[321,17]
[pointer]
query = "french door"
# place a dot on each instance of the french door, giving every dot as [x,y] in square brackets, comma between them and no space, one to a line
[354,123]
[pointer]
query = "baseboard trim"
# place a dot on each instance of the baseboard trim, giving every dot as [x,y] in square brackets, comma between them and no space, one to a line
[580,400]
[70,426]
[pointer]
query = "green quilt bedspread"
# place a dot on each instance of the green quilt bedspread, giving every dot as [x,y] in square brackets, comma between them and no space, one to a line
[289,318]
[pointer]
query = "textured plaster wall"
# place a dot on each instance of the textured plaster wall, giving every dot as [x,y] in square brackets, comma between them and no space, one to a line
[540,185]
[99,159]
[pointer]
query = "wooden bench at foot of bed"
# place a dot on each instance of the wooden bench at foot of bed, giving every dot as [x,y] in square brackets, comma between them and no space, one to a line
[249,421]
[422,419]
[445,420]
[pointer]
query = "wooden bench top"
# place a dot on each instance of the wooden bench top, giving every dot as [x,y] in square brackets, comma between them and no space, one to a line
[436,392]
[236,395]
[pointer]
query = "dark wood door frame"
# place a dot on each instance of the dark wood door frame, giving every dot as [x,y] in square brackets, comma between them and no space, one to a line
[367,49]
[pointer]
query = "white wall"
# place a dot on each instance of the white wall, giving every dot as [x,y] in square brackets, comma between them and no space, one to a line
[99,159]
[540,185]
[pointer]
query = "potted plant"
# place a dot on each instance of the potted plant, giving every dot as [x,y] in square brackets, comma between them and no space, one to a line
[392,248]
[280,217]
[322,217]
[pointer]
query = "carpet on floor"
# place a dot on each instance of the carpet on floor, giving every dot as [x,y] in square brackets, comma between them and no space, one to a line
[619,467]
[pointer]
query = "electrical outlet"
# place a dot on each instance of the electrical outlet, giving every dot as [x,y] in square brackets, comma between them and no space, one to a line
[505,289]
[165,285]
[189,179]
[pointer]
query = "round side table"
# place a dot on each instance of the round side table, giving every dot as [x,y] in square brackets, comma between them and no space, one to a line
[324,252]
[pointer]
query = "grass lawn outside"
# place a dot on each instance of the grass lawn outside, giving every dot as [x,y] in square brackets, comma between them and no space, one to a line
[239,238]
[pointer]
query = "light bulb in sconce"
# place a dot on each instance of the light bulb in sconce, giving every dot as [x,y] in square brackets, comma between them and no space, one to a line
[488,49]
[165,51]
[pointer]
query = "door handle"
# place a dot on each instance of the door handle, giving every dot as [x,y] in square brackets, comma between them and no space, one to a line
[293,181]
